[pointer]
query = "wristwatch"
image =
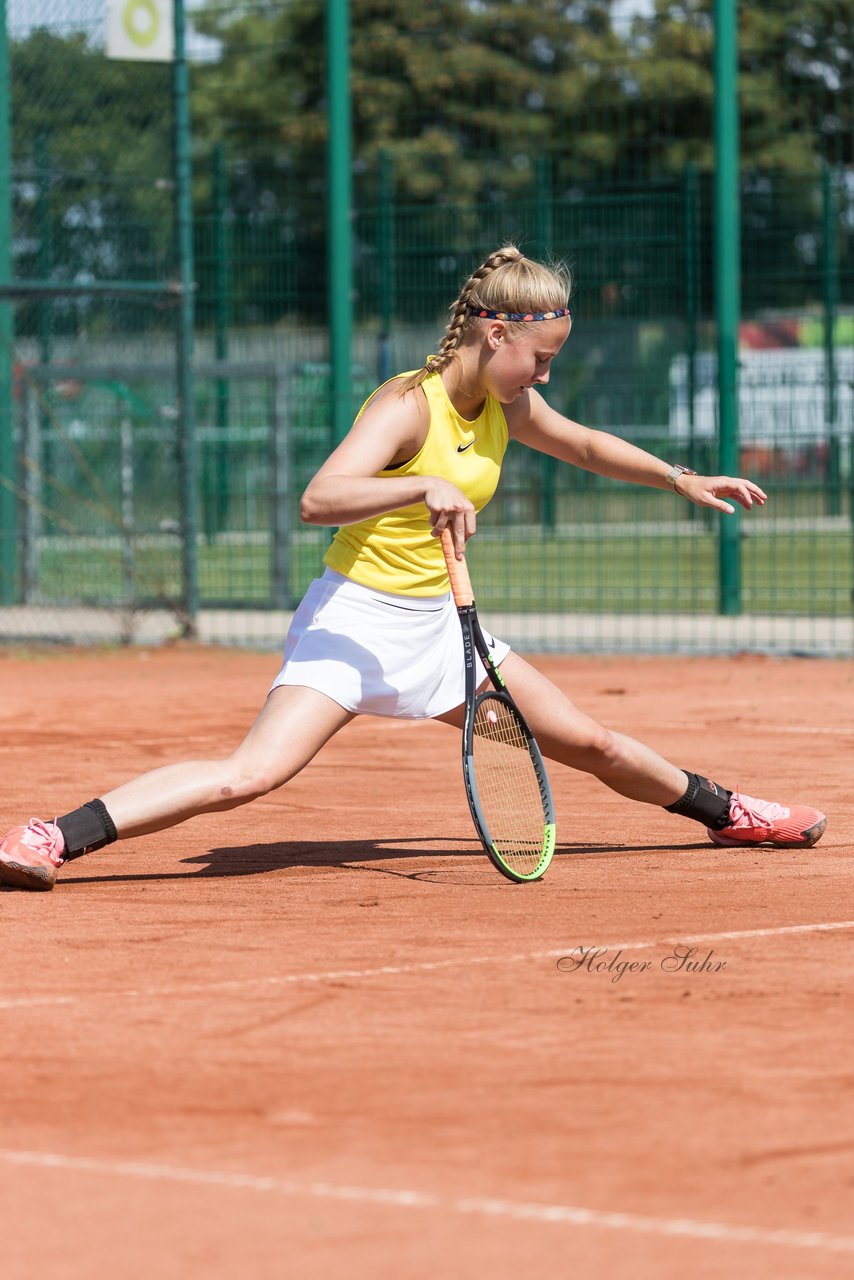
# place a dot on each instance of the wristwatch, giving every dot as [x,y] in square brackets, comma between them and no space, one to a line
[675,472]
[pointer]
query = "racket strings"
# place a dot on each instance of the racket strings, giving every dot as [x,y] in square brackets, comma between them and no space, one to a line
[508,786]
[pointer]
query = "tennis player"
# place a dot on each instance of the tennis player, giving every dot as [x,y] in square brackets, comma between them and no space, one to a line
[378,633]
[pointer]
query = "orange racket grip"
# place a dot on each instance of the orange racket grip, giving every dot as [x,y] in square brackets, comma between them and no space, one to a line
[457,572]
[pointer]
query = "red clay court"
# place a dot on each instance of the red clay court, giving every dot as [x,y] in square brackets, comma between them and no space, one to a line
[321,1036]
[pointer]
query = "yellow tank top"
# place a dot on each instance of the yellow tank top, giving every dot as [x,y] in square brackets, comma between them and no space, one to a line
[396,551]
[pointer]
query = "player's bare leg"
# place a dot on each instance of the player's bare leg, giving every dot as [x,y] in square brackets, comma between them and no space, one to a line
[293,725]
[634,770]
[568,735]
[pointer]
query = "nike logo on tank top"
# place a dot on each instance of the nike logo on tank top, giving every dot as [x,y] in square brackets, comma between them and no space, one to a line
[396,551]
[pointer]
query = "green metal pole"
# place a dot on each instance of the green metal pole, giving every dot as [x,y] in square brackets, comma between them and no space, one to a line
[218,500]
[727,288]
[544,203]
[692,301]
[9,568]
[222,253]
[387,256]
[340,260]
[830,292]
[187,444]
[544,210]
[45,307]
[691,213]
[41,153]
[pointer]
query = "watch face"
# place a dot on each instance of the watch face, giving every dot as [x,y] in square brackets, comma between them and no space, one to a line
[676,471]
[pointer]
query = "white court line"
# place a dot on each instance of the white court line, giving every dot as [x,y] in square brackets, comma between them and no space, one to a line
[811,729]
[423,966]
[401,1198]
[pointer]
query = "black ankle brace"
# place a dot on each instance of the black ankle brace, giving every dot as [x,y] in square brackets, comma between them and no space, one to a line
[704,801]
[89,827]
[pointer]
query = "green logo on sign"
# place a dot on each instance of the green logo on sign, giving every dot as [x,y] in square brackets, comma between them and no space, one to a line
[141,22]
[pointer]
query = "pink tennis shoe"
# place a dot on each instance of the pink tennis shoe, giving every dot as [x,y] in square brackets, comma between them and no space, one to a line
[30,856]
[763,822]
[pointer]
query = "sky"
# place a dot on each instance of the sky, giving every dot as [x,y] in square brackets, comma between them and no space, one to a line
[65,16]
[89,15]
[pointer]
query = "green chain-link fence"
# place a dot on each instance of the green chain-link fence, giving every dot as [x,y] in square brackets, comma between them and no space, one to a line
[580,135]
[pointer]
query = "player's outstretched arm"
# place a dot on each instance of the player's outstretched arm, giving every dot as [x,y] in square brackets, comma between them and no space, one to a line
[536,424]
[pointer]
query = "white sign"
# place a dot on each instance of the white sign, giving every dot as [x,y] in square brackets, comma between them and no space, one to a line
[140,29]
[782,396]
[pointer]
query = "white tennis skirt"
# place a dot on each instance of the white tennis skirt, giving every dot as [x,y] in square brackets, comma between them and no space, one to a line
[379,654]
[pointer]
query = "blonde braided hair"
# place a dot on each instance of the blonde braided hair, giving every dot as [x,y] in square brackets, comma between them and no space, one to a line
[505,281]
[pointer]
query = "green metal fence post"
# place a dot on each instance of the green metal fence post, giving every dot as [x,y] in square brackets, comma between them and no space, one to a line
[218,500]
[544,223]
[41,153]
[544,204]
[9,568]
[186,426]
[727,288]
[387,249]
[340,213]
[691,268]
[830,300]
[691,190]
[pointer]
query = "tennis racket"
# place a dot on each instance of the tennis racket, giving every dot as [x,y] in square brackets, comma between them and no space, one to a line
[506,782]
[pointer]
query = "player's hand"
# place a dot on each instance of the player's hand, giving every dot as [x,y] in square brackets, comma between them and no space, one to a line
[450,509]
[710,491]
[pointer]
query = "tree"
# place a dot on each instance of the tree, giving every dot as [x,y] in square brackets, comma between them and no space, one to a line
[456,99]
[796,86]
[92,161]
[796,90]
[478,106]
[461,94]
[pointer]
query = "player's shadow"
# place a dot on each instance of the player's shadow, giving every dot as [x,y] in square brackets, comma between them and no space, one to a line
[248,860]
[355,855]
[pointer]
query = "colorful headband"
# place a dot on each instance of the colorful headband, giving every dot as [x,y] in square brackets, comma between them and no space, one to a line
[519,315]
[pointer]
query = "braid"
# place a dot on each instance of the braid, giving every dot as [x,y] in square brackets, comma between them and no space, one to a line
[460,308]
[460,314]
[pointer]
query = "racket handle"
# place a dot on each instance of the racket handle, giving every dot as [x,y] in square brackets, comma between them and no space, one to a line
[457,572]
